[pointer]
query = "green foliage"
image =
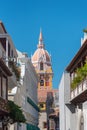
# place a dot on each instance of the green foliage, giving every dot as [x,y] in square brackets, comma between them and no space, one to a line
[15,69]
[16,113]
[85,30]
[84,70]
[81,73]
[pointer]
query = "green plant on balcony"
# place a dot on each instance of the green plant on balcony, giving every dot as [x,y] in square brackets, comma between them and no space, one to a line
[15,69]
[85,30]
[81,74]
[16,113]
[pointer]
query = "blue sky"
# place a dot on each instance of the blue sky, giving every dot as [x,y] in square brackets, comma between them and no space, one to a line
[62,23]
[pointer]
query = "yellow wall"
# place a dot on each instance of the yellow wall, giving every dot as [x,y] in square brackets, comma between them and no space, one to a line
[42,108]
[48,72]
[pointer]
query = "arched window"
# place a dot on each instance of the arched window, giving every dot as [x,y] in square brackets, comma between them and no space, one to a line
[46,83]
[41,105]
[41,66]
[41,82]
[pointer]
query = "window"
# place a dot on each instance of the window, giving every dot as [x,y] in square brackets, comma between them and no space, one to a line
[41,76]
[44,124]
[41,82]
[47,80]
[41,66]
[41,105]
[47,83]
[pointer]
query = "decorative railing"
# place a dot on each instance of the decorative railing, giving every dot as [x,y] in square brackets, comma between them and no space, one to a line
[3,105]
[82,87]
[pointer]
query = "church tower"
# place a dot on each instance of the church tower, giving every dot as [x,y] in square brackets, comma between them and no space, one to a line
[42,62]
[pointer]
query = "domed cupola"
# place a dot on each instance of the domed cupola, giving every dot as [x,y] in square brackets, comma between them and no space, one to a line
[41,55]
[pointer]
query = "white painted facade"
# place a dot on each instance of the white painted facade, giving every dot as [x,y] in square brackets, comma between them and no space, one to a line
[63,117]
[7,51]
[27,88]
[42,119]
[73,112]
[71,117]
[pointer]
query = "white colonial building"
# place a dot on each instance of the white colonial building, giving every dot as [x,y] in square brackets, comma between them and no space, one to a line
[8,79]
[18,82]
[25,94]
[8,54]
[73,91]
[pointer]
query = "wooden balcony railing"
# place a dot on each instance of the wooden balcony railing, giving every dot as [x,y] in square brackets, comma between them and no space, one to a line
[79,94]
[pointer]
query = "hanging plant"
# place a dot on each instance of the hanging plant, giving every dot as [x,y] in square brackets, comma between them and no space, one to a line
[16,114]
[16,69]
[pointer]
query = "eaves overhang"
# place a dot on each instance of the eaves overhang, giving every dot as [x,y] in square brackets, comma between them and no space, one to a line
[77,57]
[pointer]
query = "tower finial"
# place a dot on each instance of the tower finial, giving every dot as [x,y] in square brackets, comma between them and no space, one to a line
[40,45]
[40,37]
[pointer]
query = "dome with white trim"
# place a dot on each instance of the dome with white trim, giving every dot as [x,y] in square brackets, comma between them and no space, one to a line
[41,55]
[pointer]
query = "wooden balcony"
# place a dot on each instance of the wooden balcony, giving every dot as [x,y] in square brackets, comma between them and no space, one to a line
[79,94]
[3,106]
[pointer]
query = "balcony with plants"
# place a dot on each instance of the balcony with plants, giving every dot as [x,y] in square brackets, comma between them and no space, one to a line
[9,55]
[15,69]
[79,85]
[12,65]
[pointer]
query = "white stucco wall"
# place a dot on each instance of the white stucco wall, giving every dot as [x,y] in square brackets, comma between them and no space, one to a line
[64,97]
[72,117]
[28,88]
[42,118]
[85,115]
